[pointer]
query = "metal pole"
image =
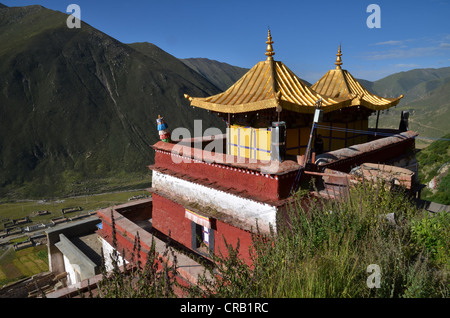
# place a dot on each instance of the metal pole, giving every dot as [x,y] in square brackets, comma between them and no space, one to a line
[308,148]
[314,126]
[296,182]
[376,125]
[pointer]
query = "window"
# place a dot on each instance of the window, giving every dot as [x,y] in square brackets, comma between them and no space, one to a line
[202,234]
[202,238]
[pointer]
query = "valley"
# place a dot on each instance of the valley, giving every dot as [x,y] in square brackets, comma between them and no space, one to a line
[79,108]
[78,112]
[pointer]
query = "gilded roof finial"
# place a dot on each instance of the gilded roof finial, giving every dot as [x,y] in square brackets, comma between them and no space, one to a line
[338,59]
[269,51]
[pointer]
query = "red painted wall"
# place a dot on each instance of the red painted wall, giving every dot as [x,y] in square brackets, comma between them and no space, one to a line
[124,236]
[170,217]
[125,245]
[259,186]
[231,235]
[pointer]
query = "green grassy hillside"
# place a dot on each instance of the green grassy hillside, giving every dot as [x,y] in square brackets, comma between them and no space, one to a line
[79,106]
[16,265]
[406,82]
[427,96]
[435,163]
[220,74]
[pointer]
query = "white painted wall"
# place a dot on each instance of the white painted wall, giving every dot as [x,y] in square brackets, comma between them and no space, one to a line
[107,252]
[245,210]
[70,269]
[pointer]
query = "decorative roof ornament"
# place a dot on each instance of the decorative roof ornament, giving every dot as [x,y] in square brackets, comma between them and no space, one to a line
[339,83]
[269,50]
[163,130]
[338,59]
[268,85]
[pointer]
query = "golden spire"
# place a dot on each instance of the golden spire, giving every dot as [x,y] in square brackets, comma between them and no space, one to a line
[338,59]
[269,51]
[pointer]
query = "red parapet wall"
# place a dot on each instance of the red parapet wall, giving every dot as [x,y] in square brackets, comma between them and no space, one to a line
[169,219]
[383,150]
[249,180]
[125,234]
[125,240]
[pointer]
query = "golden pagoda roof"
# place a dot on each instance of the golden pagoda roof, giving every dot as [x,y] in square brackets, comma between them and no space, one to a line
[269,84]
[339,83]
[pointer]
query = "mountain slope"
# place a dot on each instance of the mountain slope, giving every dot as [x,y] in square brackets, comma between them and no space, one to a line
[222,75]
[170,62]
[406,82]
[434,164]
[427,98]
[77,104]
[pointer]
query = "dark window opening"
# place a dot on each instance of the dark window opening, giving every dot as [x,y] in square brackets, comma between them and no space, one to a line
[202,239]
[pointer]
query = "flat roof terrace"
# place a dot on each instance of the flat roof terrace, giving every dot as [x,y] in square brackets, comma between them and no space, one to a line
[266,181]
[193,150]
[135,217]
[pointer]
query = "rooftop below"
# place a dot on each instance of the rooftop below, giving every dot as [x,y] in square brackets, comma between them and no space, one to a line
[90,246]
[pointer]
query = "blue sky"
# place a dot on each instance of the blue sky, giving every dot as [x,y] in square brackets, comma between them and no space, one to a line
[306,34]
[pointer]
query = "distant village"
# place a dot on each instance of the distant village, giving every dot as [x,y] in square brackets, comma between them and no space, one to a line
[35,231]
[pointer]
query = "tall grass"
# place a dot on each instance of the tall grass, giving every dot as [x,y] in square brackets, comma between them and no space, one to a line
[152,278]
[321,250]
[324,250]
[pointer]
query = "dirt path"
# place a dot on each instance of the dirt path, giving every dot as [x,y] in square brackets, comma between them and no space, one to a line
[5,252]
[426,126]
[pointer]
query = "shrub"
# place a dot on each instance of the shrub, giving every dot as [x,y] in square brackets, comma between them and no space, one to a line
[431,232]
[324,250]
[152,279]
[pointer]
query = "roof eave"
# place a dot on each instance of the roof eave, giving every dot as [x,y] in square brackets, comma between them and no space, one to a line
[234,109]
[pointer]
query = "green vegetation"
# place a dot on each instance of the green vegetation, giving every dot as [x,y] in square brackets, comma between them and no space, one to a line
[434,162]
[426,98]
[30,261]
[15,265]
[17,210]
[325,251]
[79,108]
[433,233]
[72,184]
[220,74]
[155,279]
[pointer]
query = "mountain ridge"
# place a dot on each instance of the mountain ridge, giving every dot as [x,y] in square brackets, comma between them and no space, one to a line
[427,99]
[221,74]
[77,104]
